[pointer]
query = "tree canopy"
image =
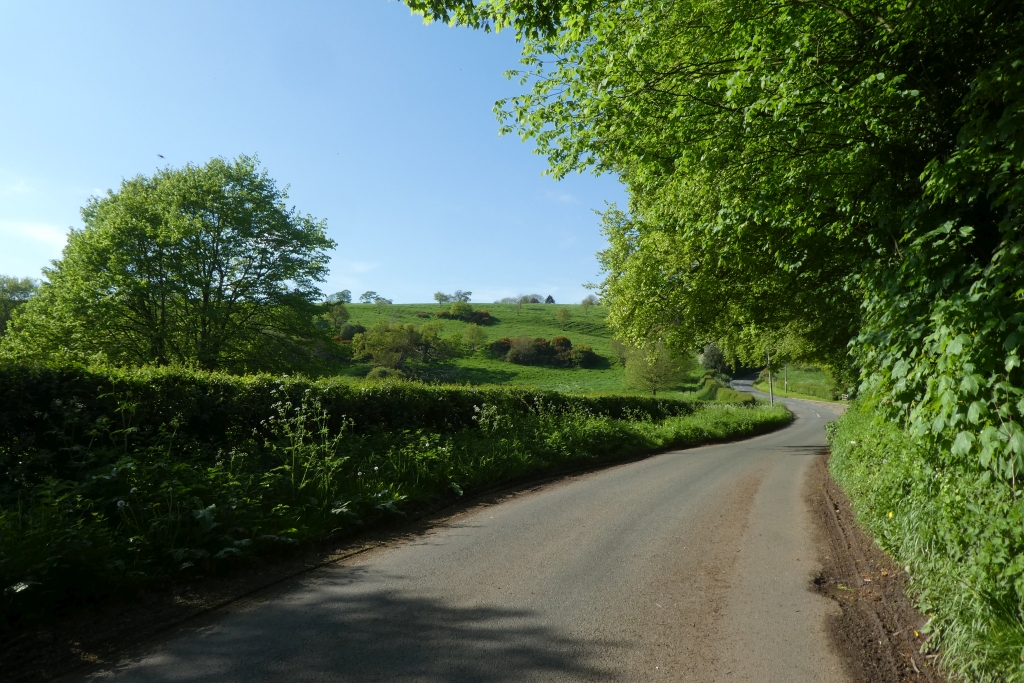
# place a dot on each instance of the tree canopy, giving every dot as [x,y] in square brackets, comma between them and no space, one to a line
[202,265]
[14,292]
[815,177]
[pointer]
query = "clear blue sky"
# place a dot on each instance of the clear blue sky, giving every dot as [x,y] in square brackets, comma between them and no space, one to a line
[379,124]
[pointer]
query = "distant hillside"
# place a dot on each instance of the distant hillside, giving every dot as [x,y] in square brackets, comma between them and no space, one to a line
[535,320]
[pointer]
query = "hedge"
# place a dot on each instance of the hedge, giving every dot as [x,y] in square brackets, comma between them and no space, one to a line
[50,414]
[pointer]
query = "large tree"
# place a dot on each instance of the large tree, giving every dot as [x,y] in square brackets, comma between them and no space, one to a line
[821,176]
[202,265]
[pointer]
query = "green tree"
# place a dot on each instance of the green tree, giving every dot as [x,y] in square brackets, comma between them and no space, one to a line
[336,315]
[588,301]
[403,346]
[441,298]
[654,368]
[14,292]
[368,297]
[202,265]
[474,336]
[564,315]
[342,297]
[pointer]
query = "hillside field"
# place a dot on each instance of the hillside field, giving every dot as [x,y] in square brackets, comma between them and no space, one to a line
[535,320]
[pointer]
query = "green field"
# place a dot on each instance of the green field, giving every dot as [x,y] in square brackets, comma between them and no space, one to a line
[535,320]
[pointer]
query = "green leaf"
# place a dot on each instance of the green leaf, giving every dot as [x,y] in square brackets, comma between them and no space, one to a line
[962,444]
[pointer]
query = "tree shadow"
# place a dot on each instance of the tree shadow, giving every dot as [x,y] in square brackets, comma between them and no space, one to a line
[352,628]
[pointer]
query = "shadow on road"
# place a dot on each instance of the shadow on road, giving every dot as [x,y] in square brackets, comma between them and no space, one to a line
[337,634]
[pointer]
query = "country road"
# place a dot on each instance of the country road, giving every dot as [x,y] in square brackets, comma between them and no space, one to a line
[688,566]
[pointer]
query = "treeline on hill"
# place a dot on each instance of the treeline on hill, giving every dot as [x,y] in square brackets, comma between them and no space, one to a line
[115,479]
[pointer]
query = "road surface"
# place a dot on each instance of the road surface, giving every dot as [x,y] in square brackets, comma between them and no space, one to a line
[692,565]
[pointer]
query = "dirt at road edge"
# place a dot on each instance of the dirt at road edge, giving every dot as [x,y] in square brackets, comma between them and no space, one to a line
[878,632]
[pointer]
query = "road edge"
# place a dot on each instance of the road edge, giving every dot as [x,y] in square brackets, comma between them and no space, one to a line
[878,631]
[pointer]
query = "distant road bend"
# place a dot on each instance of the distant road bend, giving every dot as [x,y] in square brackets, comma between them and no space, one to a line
[692,565]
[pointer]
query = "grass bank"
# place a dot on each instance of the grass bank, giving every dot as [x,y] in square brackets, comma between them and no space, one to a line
[118,480]
[958,532]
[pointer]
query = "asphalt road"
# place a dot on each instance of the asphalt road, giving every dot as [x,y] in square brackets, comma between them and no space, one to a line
[689,566]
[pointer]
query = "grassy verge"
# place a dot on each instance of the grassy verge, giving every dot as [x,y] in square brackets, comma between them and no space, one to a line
[167,508]
[958,532]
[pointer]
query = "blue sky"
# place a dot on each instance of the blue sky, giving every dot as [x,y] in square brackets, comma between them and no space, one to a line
[378,123]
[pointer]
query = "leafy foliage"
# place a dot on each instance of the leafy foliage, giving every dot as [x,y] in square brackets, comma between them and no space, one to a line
[398,346]
[960,538]
[199,265]
[655,367]
[830,182]
[525,350]
[14,292]
[130,499]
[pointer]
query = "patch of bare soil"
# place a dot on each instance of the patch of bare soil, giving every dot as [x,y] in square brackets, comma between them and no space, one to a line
[878,631]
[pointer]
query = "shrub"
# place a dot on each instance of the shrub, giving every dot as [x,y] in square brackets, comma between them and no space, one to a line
[383,373]
[422,314]
[480,318]
[727,395]
[499,348]
[584,357]
[527,351]
[350,330]
[460,310]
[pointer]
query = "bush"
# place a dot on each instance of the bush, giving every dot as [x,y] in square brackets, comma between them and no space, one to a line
[727,395]
[350,330]
[499,348]
[461,310]
[480,318]
[584,357]
[559,352]
[422,314]
[527,351]
[383,373]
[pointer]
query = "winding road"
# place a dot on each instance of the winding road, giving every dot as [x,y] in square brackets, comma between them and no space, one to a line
[692,565]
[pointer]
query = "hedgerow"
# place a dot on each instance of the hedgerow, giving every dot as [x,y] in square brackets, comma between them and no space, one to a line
[116,479]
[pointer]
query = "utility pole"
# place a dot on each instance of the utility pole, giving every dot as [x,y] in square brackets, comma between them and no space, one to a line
[771,392]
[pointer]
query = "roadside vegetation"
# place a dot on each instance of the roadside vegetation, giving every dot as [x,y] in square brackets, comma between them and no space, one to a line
[827,184]
[118,479]
[177,396]
[959,535]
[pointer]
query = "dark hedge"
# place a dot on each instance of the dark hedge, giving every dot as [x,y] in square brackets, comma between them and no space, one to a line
[50,416]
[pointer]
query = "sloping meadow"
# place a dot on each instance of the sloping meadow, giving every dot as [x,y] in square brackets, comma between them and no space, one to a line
[114,479]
